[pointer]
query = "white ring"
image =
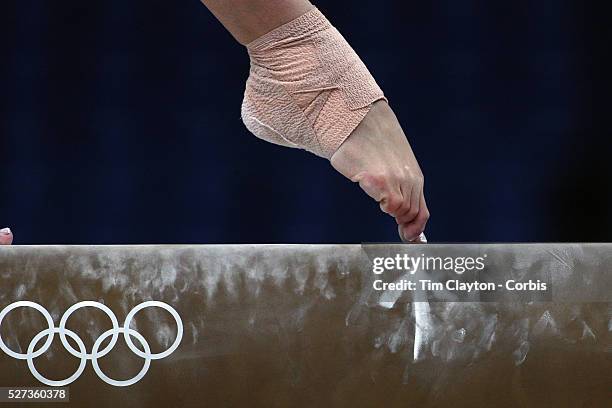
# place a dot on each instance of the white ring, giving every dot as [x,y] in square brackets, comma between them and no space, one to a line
[44,312]
[97,305]
[179,329]
[40,377]
[121,383]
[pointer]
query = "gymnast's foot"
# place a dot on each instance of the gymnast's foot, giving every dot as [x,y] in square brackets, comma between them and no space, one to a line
[6,236]
[377,155]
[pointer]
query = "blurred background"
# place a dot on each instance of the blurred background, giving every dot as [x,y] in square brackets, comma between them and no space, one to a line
[120,123]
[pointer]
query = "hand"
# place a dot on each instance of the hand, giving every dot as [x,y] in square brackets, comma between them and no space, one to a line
[377,155]
[6,236]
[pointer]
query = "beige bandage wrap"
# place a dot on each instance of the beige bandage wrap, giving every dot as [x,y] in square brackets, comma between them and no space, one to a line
[307,88]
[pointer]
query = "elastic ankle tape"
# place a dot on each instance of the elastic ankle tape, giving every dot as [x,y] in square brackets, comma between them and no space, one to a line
[307,88]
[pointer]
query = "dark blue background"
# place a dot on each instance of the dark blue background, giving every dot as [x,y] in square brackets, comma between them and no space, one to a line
[120,123]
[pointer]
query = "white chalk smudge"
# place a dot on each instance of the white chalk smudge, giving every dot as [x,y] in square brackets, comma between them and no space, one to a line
[546,323]
[459,335]
[423,328]
[587,332]
[520,354]
[194,333]
[20,291]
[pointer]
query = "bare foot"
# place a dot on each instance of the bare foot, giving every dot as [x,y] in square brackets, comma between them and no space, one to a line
[377,155]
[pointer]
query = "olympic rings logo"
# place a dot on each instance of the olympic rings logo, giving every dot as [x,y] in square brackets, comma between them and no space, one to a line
[96,353]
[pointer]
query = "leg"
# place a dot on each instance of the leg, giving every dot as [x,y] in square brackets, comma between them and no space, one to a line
[308,89]
[248,20]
